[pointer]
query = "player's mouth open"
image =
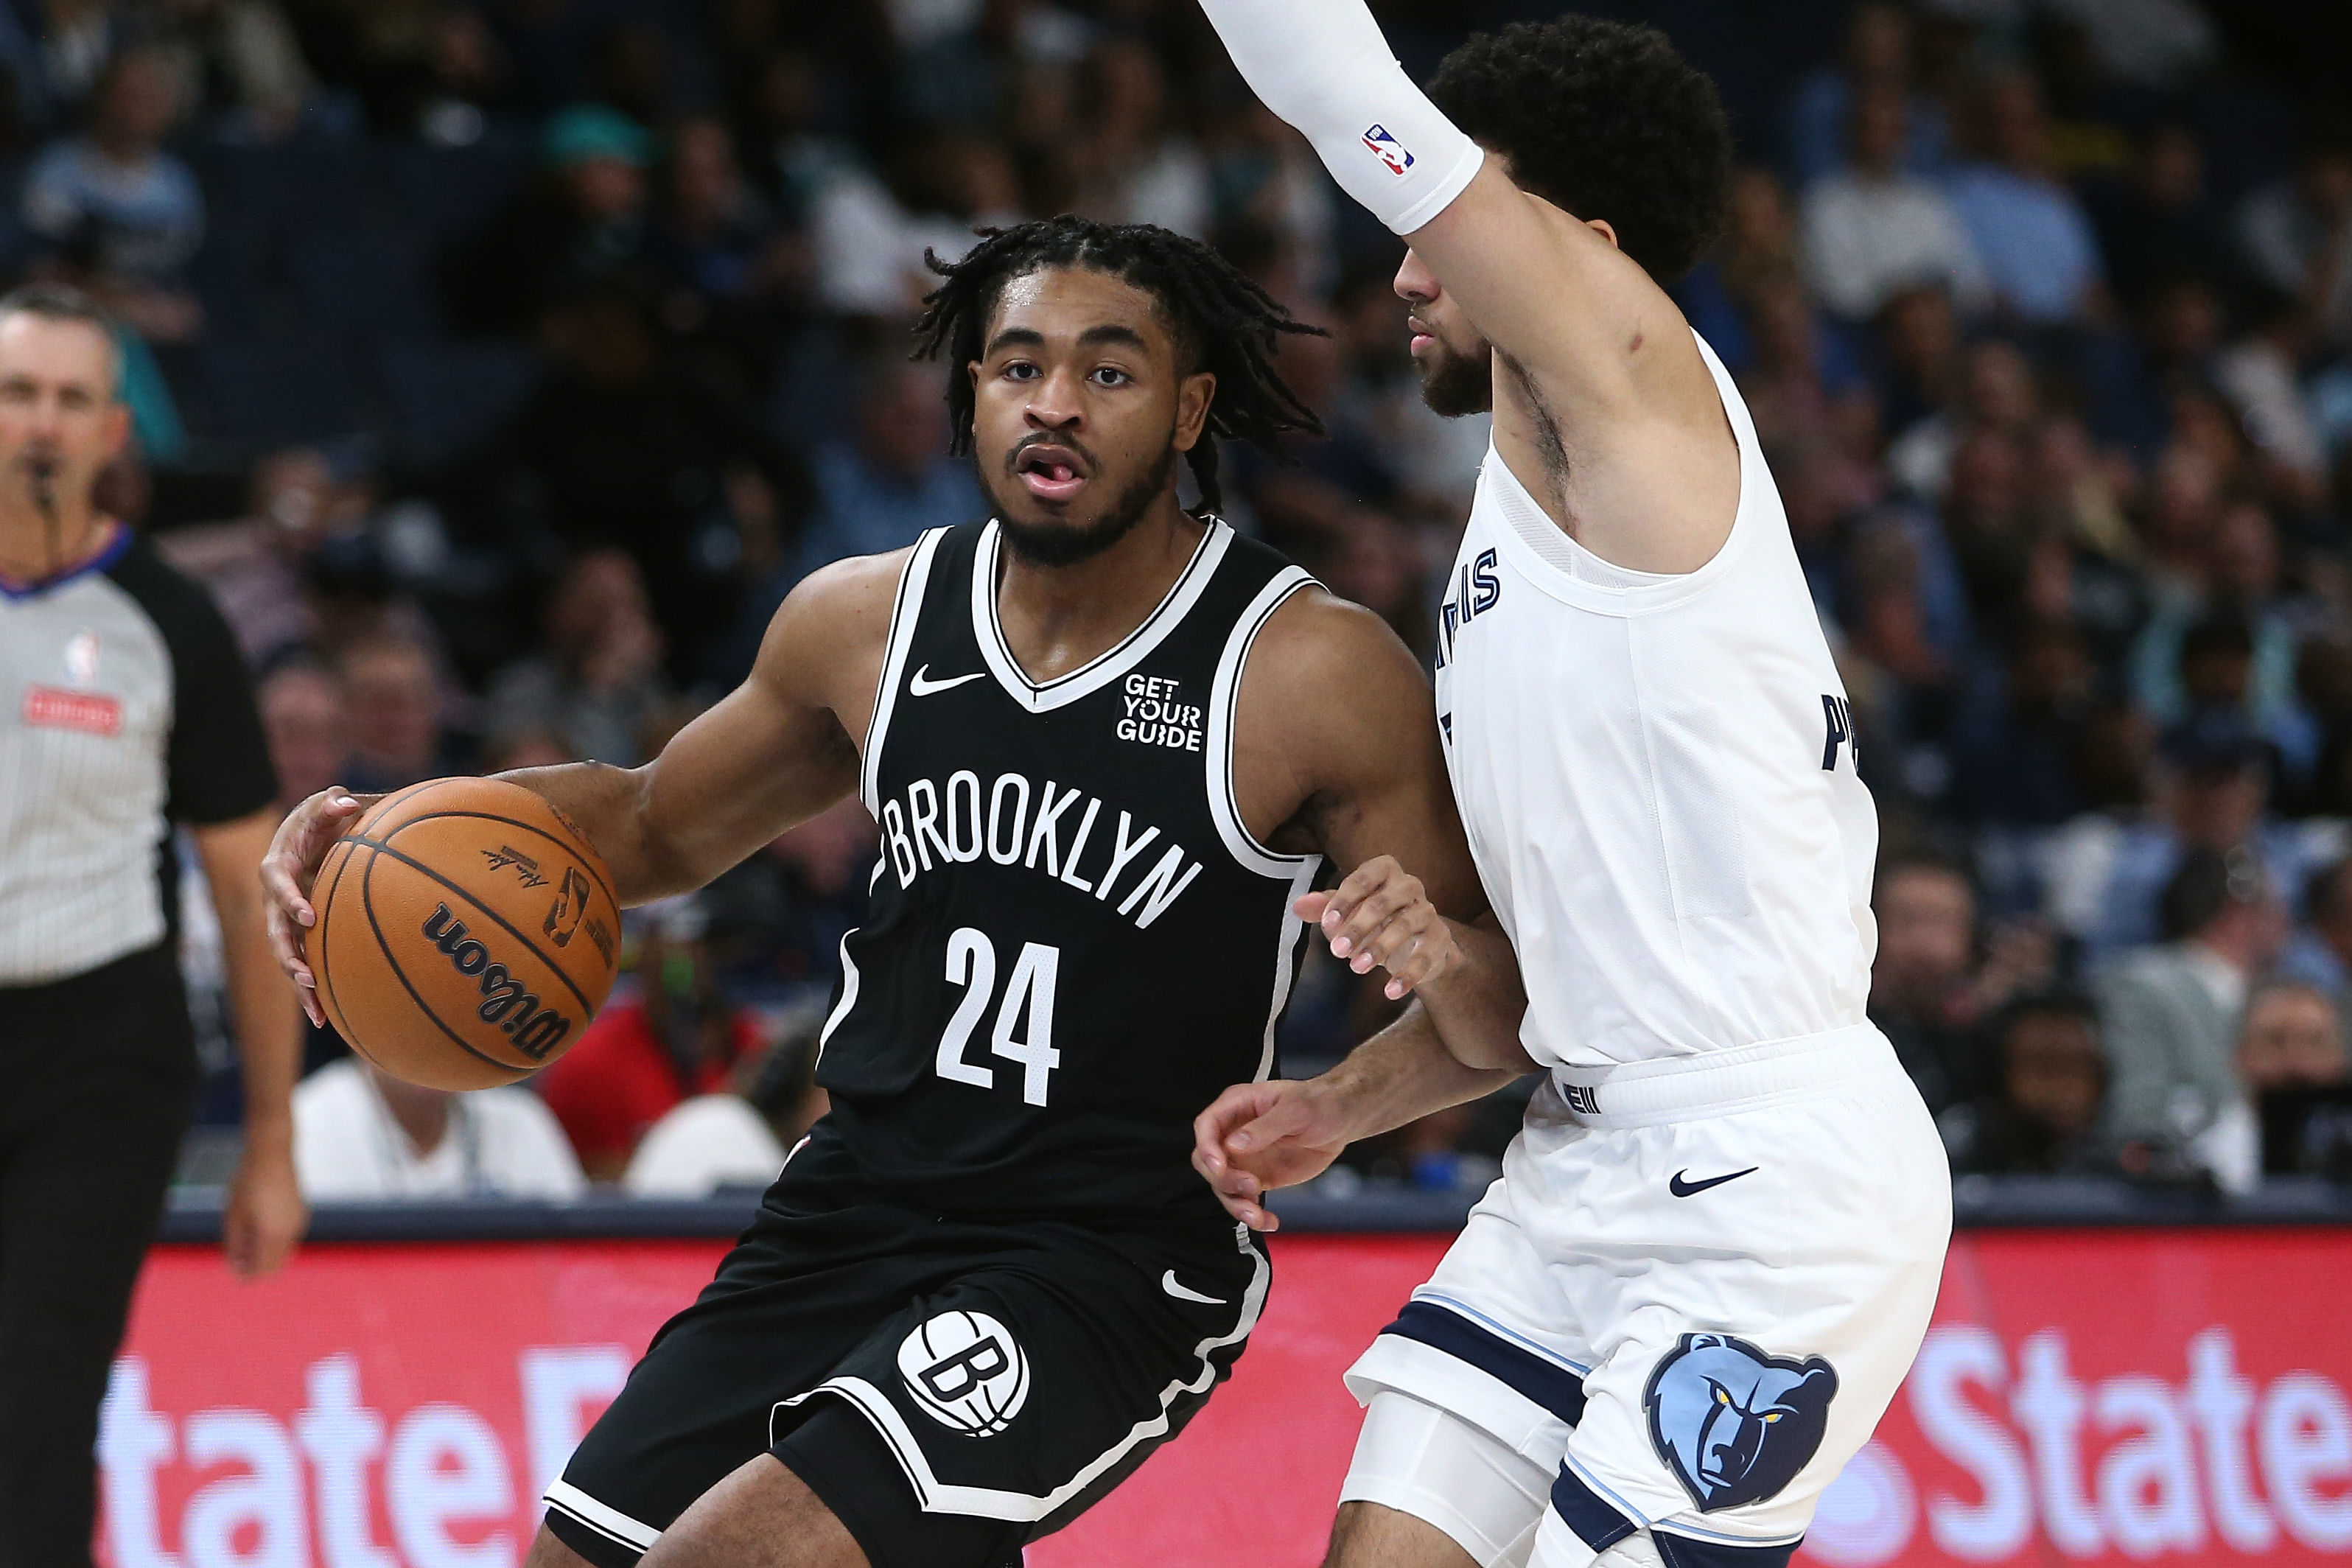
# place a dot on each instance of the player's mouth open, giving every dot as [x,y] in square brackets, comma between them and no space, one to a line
[1052,473]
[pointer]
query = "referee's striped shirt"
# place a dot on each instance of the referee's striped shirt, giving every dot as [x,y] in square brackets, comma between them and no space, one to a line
[124,707]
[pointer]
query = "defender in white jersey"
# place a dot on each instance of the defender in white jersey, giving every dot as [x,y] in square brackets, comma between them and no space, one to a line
[1717,1241]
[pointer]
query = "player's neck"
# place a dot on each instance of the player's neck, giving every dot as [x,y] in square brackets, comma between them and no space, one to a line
[33,549]
[1058,618]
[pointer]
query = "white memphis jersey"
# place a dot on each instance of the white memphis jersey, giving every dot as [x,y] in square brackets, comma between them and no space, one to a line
[1657,776]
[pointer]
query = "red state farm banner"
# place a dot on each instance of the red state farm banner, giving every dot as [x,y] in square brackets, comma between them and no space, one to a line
[2084,1396]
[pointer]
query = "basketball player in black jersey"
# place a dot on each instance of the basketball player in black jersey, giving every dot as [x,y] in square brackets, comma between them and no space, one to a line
[1110,745]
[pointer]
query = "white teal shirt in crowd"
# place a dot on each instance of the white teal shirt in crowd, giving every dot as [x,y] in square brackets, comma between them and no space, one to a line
[146,218]
[501,1143]
[702,1144]
[1867,238]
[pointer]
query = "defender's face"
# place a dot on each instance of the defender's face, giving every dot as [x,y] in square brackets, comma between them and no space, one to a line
[1455,364]
[57,401]
[1079,410]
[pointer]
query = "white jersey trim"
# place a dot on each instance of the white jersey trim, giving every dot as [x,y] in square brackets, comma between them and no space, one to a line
[602,1518]
[905,611]
[1104,668]
[1224,701]
[1224,808]
[1528,521]
[1021,1507]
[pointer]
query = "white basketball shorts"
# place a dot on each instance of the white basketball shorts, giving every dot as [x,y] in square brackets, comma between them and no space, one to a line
[1691,1296]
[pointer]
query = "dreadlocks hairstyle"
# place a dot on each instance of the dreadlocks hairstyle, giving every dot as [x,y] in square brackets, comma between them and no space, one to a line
[1221,321]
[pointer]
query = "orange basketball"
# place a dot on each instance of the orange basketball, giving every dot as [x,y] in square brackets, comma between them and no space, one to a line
[467,933]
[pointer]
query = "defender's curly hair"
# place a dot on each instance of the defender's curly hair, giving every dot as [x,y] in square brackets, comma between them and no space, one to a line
[1605,121]
[1221,323]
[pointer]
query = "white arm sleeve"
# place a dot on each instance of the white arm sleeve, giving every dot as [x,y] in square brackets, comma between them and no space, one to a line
[1323,66]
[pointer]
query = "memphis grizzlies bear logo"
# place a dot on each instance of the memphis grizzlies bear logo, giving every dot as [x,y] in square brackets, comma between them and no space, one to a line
[1733,1424]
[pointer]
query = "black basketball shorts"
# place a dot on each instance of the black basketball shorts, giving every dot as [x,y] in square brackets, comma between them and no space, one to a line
[950,1389]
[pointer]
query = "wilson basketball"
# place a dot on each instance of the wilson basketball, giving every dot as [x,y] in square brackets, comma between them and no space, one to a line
[466,932]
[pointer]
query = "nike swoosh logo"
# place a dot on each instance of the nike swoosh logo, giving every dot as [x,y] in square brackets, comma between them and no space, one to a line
[1683,1189]
[922,686]
[1167,1283]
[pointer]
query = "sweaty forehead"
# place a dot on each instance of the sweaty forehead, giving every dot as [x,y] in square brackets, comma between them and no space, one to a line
[1061,302]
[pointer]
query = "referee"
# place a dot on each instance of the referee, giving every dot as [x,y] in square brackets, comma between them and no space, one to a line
[124,707]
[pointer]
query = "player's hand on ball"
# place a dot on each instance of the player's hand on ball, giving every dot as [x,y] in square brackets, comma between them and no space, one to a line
[302,841]
[1382,916]
[1257,1137]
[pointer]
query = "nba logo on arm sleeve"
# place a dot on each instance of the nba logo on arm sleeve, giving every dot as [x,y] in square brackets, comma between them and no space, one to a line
[1387,149]
[1733,1424]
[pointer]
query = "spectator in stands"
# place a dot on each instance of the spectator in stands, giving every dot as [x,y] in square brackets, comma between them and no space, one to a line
[676,1036]
[735,1136]
[1871,229]
[596,684]
[395,716]
[623,445]
[304,716]
[239,60]
[253,564]
[361,1135]
[716,246]
[1137,164]
[2297,231]
[2161,223]
[2031,234]
[776,921]
[1928,986]
[2172,1011]
[893,478]
[2319,954]
[116,199]
[2042,1113]
[2012,742]
[581,220]
[2212,792]
[2290,1053]
[1876,54]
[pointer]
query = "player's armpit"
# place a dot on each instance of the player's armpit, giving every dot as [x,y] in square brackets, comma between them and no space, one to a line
[770,755]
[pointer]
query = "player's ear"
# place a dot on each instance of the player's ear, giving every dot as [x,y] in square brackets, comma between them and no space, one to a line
[118,428]
[1601,226]
[1194,394]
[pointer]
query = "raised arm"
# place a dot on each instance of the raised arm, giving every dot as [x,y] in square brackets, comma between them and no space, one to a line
[778,749]
[1604,408]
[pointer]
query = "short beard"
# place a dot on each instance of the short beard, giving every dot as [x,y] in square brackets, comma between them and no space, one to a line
[1054,545]
[1454,384]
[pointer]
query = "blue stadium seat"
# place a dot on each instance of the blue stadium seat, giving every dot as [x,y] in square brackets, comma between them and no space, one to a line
[363,282]
[264,391]
[445,396]
[451,193]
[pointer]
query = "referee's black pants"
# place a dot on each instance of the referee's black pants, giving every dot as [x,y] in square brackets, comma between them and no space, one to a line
[97,1076]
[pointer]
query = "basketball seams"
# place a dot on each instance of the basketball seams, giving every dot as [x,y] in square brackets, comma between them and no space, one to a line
[411,862]
[589,863]
[322,971]
[391,961]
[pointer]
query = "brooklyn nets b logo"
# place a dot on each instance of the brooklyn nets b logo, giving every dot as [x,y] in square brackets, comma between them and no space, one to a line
[966,1371]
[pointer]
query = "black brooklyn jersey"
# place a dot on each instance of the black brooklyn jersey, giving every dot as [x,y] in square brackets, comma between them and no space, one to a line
[1074,944]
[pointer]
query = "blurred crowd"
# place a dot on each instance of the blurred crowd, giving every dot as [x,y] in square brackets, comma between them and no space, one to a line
[499,365]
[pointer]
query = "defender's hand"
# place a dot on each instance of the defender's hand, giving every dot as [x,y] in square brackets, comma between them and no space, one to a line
[1257,1137]
[1380,915]
[301,842]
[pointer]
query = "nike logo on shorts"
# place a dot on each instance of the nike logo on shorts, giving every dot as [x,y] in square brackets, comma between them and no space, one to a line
[1167,1283]
[922,686]
[1683,1189]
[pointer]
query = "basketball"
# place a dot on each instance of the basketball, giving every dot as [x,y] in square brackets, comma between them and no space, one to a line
[466,932]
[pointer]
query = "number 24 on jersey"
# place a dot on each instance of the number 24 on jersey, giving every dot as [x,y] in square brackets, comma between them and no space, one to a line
[1027,1010]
